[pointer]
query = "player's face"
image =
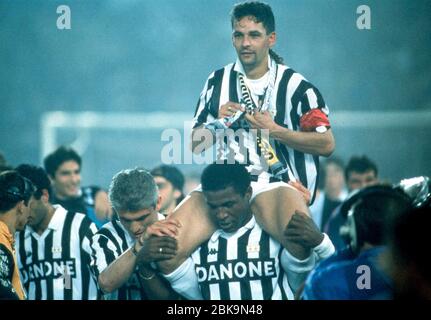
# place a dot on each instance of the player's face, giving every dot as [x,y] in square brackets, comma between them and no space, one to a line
[358,180]
[38,212]
[67,179]
[22,216]
[167,192]
[230,209]
[136,222]
[251,42]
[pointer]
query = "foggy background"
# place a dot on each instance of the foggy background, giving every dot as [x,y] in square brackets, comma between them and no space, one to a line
[142,64]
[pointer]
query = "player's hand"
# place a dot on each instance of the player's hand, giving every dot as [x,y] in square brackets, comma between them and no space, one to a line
[261,120]
[160,228]
[229,109]
[301,229]
[102,206]
[306,194]
[156,249]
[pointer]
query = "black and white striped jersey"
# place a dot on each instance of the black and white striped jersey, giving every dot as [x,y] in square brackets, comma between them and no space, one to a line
[245,265]
[292,96]
[56,264]
[110,242]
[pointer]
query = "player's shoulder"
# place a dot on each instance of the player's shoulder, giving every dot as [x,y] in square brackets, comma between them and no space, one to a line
[111,230]
[72,215]
[218,73]
[108,227]
[293,74]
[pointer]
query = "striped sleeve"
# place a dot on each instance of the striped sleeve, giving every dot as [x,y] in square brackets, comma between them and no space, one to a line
[312,99]
[202,111]
[87,231]
[89,282]
[104,250]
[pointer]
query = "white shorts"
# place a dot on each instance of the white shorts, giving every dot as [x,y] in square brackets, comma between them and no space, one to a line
[259,187]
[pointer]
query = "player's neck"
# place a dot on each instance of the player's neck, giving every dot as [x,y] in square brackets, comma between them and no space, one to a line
[247,218]
[257,72]
[59,196]
[9,221]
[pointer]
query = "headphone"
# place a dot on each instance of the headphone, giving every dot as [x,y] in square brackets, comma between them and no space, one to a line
[14,194]
[349,209]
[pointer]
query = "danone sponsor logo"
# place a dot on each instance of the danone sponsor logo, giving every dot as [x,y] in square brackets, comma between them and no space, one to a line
[56,268]
[236,270]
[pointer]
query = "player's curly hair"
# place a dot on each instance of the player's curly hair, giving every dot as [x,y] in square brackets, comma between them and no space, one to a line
[261,12]
[219,176]
[37,176]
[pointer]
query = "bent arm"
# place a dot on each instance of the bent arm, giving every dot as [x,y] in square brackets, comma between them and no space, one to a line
[325,249]
[155,286]
[201,140]
[319,144]
[118,272]
[111,268]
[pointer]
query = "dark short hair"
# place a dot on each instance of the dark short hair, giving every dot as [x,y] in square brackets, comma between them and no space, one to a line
[360,164]
[37,176]
[58,157]
[217,177]
[376,208]
[13,189]
[262,12]
[170,173]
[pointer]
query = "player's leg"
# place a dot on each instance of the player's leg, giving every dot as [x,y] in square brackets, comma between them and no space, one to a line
[196,227]
[273,210]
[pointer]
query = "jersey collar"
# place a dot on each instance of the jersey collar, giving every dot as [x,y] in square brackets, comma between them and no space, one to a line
[220,233]
[238,67]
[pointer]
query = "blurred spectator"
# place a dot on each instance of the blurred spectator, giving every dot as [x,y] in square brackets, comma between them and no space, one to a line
[356,273]
[360,172]
[170,182]
[64,169]
[333,193]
